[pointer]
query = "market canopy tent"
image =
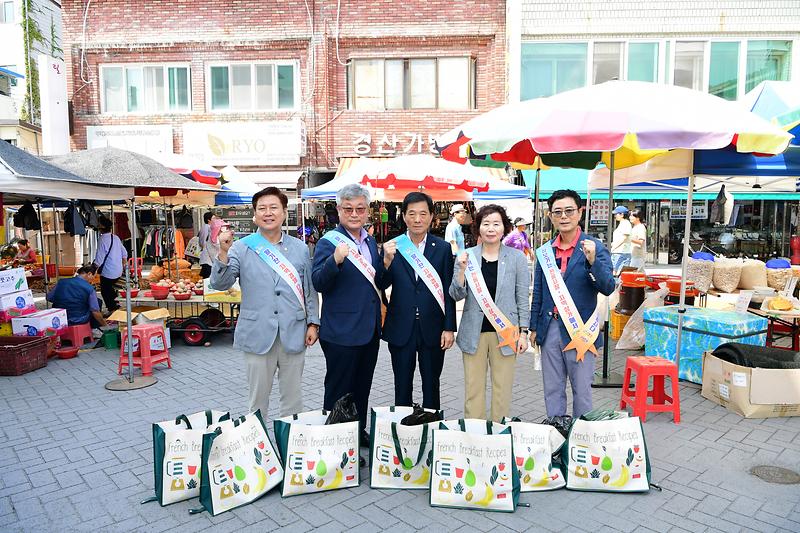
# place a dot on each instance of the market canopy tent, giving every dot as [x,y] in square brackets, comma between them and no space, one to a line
[390,179]
[24,176]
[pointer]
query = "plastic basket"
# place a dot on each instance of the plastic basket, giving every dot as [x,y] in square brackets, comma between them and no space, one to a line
[19,355]
[618,322]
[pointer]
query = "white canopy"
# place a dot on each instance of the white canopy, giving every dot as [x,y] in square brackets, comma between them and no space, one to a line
[17,189]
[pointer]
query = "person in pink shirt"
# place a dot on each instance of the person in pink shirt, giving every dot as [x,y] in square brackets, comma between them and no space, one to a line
[25,254]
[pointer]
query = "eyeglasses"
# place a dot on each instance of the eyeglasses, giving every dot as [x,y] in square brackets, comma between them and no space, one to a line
[558,213]
[351,210]
[268,209]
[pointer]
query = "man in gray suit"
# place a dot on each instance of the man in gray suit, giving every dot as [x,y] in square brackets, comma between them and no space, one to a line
[278,318]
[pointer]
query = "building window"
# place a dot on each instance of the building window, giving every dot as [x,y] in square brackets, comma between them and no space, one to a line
[689,67]
[550,68]
[5,85]
[7,12]
[607,62]
[643,62]
[419,83]
[253,87]
[723,77]
[145,88]
[768,60]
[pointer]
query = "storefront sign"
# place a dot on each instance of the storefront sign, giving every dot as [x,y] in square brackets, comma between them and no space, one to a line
[599,213]
[241,222]
[147,140]
[393,143]
[274,142]
[699,210]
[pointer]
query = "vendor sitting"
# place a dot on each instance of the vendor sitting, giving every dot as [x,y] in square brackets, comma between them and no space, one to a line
[78,296]
[25,254]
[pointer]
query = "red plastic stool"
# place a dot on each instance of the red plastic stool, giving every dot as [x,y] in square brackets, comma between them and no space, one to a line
[77,335]
[644,368]
[139,264]
[145,357]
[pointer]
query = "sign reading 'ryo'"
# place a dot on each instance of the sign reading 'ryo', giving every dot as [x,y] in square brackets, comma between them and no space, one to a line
[277,142]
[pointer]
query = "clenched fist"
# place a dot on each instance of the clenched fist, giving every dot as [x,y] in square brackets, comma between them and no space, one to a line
[341,253]
[389,251]
[589,250]
[462,261]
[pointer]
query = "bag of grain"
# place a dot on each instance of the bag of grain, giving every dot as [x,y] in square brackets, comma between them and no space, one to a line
[727,273]
[701,272]
[778,273]
[754,274]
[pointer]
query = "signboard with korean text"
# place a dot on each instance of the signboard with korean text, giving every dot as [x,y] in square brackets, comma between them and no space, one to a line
[147,140]
[699,209]
[271,142]
[393,143]
[599,213]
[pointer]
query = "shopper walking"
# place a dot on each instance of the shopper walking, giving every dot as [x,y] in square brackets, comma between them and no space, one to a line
[346,269]
[518,238]
[278,317]
[570,271]
[621,240]
[638,239]
[421,315]
[453,233]
[110,260]
[495,282]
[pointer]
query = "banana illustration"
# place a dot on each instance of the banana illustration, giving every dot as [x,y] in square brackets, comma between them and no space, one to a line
[622,480]
[337,480]
[488,498]
[423,478]
[545,478]
[262,480]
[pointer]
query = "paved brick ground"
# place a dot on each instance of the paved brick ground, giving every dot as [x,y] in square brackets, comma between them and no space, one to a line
[74,456]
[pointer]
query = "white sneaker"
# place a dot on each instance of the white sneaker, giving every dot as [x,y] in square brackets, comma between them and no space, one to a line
[96,333]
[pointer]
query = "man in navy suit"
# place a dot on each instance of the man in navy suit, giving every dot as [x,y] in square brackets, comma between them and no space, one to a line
[420,319]
[350,325]
[585,266]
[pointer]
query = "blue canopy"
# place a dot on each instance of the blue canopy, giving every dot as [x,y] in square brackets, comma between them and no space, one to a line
[731,163]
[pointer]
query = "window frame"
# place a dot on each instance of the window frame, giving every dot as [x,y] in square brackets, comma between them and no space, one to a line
[125,66]
[666,56]
[275,63]
[3,12]
[406,89]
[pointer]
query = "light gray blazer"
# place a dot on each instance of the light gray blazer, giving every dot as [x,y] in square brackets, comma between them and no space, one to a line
[512,297]
[269,305]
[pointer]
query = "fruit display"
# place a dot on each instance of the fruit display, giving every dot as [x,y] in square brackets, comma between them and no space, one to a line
[780,303]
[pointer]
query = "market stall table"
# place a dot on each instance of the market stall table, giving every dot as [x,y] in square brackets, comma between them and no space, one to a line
[195,319]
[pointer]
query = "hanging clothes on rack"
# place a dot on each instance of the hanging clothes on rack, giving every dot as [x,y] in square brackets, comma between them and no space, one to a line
[180,245]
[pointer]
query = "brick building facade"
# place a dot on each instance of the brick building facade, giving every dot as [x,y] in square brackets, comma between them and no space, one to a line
[324,79]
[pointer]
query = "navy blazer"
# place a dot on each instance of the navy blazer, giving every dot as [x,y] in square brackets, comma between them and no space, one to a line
[583,281]
[351,309]
[410,294]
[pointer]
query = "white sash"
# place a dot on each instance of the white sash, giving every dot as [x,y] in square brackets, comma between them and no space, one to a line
[506,331]
[270,254]
[423,268]
[582,335]
[355,257]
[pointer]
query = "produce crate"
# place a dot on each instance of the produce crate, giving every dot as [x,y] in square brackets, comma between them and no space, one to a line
[19,355]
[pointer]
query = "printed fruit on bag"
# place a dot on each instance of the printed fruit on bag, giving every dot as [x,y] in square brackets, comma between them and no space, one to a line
[606,464]
[322,468]
[530,463]
[470,479]
[239,472]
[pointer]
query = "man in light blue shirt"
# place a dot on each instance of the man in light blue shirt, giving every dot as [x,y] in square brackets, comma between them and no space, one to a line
[109,260]
[453,232]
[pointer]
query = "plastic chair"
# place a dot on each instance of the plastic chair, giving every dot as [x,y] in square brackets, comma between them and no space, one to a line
[77,335]
[145,357]
[644,368]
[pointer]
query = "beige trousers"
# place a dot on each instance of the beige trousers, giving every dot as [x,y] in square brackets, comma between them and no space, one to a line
[261,374]
[475,366]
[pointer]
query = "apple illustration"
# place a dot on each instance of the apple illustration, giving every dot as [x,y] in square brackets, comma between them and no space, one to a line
[501,467]
[261,445]
[350,452]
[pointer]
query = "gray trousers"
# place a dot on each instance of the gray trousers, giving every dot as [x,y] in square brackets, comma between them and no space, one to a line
[261,373]
[557,365]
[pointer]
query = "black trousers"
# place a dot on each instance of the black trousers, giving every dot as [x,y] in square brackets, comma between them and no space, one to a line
[108,291]
[404,362]
[350,369]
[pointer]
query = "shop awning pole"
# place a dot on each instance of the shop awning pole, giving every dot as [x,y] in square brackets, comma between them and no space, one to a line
[44,248]
[134,229]
[56,240]
[537,239]
[687,228]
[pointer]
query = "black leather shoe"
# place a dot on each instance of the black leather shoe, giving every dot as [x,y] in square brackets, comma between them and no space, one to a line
[364,439]
[362,462]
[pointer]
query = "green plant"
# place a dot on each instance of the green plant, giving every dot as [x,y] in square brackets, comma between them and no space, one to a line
[310,480]
[459,488]
[31,34]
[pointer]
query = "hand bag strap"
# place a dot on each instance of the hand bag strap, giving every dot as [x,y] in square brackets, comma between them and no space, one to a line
[422,444]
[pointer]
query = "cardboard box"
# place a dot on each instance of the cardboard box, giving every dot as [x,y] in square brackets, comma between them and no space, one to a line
[140,315]
[13,280]
[48,322]
[232,295]
[751,392]
[703,330]
[16,304]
